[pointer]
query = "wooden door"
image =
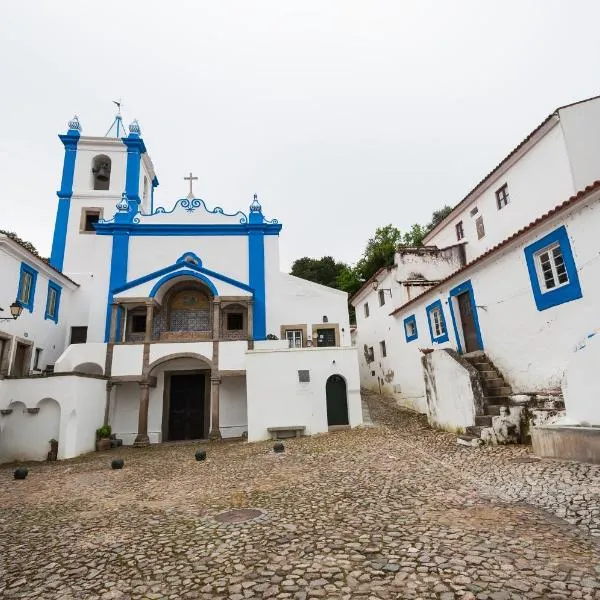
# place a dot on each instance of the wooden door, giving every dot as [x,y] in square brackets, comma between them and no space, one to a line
[467,319]
[337,401]
[21,368]
[186,407]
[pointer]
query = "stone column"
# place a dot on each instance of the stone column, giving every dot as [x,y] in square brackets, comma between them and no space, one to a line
[216,324]
[149,322]
[113,323]
[142,436]
[250,319]
[215,385]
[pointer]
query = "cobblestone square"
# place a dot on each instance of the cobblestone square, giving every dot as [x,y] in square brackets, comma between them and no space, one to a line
[392,511]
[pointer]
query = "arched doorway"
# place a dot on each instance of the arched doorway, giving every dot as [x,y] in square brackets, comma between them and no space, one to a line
[183,390]
[337,401]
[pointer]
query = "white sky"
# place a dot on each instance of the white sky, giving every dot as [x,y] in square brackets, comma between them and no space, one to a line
[342,115]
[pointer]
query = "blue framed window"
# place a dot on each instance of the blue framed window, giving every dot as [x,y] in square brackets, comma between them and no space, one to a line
[552,270]
[52,301]
[410,328]
[27,281]
[437,322]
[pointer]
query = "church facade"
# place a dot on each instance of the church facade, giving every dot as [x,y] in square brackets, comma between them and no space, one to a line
[177,322]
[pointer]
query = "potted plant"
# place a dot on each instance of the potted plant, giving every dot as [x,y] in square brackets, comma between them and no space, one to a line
[53,454]
[103,438]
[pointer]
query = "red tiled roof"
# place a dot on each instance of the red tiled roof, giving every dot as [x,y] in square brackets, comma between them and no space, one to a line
[551,213]
[554,114]
[27,247]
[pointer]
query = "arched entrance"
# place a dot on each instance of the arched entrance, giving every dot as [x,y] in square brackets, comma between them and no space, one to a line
[337,401]
[183,382]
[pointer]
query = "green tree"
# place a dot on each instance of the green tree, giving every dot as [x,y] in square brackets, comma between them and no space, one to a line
[414,237]
[379,251]
[349,280]
[323,270]
[438,216]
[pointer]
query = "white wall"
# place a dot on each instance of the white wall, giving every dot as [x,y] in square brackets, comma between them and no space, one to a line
[393,374]
[232,355]
[78,354]
[451,403]
[32,326]
[223,254]
[531,348]
[538,181]
[165,349]
[581,386]
[294,301]
[127,359]
[581,126]
[25,436]
[276,398]
[233,410]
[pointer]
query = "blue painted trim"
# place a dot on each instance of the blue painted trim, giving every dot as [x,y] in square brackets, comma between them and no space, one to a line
[444,337]
[256,270]
[177,267]
[411,319]
[58,290]
[466,286]
[184,259]
[186,273]
[25,268]
[59,240]
[118,277]
[566,293]
[154,186]
[135,149]
[187,229]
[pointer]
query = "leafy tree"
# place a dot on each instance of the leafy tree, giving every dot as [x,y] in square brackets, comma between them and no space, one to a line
[349,280]
[438,216]
[379,251]
[320,270]
[414,237]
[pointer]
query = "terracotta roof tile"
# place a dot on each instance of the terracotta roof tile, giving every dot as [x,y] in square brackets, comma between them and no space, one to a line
[583,194]
[553,115]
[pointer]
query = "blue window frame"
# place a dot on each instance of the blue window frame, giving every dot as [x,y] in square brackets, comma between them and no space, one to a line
[437,322]
[552,270]
[27,281]
[410,328]
[52,301]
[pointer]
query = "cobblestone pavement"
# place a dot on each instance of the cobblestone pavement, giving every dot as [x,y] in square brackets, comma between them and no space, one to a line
[392,511]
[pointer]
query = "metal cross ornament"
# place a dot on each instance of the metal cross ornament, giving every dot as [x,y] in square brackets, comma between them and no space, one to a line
[191,179]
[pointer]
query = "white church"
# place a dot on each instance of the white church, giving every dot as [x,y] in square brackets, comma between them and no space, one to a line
[165,322]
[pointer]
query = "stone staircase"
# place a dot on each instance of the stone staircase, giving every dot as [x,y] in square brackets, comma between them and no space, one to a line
[496,396]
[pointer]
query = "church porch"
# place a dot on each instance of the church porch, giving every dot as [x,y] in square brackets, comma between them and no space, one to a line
[182,398]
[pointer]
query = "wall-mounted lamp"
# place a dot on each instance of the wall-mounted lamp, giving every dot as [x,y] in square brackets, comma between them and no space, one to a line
[375,285]
[16,308]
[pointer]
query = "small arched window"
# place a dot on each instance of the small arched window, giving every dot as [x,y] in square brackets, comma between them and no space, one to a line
[101,166]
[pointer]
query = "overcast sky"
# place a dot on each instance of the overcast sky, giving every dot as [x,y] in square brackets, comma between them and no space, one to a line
[342,115]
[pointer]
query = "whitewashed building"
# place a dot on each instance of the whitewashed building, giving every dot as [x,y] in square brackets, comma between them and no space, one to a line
[180,324]
[484,328]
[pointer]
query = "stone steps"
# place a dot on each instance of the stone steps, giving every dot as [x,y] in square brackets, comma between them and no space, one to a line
[496,396]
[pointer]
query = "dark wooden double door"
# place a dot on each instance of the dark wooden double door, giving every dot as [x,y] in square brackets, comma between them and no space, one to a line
[187,407]
[466,308]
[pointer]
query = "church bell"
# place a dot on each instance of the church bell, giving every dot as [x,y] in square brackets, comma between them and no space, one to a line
[102,173]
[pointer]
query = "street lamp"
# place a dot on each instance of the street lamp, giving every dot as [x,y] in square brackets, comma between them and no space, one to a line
[16,308]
